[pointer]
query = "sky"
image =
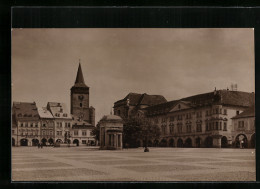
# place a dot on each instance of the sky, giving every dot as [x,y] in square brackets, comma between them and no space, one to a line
[175,63]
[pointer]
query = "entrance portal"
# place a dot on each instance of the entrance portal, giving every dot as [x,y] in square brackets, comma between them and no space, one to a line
[188,143]
[180,143]
[224,142]
[76,141]
[35,142]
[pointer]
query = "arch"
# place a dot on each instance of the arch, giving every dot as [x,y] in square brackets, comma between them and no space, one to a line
[171,142]
[13,142]
[92,143]
[76,141]
[188,143]
[68,141]
[209,142]
[224,142]
[163,143]
[51,141]
[156,143]
[24,142]
[241,141]
[180,143]
[44,140]
[58,141]
[252,141]
[198,142]
[35,142]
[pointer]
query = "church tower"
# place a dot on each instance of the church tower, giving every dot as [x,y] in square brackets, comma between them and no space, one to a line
[79,102]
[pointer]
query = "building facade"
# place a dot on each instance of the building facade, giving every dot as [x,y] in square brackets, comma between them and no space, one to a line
[55,123]
[25,124]
[47,128]
[134,102]
[202,120]
[244,128]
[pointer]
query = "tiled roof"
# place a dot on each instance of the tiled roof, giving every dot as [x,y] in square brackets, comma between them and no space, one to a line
[24,111]
[111,118]
[58,110]
[224,97]
[44,113]
[250,112]
[143,99]
[76,121]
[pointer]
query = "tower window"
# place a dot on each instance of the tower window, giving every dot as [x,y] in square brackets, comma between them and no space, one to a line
[80,104]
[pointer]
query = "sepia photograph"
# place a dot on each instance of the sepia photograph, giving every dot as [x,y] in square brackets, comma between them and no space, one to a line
[133,104]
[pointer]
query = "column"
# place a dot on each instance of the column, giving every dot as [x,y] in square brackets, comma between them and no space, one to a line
[115,140]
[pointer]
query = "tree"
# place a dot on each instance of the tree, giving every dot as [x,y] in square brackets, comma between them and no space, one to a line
[96,132]
[140,129]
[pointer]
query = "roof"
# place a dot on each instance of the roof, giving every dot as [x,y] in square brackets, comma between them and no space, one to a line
[224,97]
[83,127]
[79,82]
[143,99]
[44,113]
[250,112]
[58,110]
[111,118]
[25,111]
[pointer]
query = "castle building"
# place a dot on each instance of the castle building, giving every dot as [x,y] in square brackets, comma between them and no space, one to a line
[135,102]
[202,120]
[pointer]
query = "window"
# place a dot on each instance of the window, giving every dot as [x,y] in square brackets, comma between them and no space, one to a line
[220,110]
[172,118]
[84,142]
[76,133]
[199,129]
[21,124]
[26,124]
[31,124]
[225,126]
[171,129]
[44,125]
[237,112]
[216,126]
[64,115]
[188,128]
[51,133]
[84,133]
[43,132]
[118,112]
[241,124]
[80,105]
[59,133]
[207,113]
[220,125]
[216,110]
[68,124]
[36,124]
[179,106]
[179,128]
[207,126]
[225,111]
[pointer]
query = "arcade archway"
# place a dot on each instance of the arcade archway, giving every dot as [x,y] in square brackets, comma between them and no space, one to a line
[35,142]
[198,142]
[241,141]
[24,142]
[44,140]
[163,143]
[76,141]
[188,143]
[13,142]
[224,142]
[180,143]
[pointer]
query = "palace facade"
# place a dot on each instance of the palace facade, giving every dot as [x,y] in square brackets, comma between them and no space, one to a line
[203,120]
[55,123]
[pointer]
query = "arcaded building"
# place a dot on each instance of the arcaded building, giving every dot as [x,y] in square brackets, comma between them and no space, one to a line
[202,120]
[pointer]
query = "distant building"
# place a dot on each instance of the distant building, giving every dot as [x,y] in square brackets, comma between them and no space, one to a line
[47,128]
[62,121]
[134,102]
[202,120]
[111,132]
[55,123]
[25,124]
[83,115]
[244,128]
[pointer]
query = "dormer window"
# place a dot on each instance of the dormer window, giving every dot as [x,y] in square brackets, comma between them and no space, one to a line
[64,115]
[179,106]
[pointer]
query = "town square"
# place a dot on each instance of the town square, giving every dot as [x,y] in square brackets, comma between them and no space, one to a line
[160,164]
[174,121]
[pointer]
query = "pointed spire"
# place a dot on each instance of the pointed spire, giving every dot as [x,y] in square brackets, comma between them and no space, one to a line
[79,78]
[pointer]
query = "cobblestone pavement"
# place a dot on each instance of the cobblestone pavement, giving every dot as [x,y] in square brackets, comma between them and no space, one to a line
[160,164]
